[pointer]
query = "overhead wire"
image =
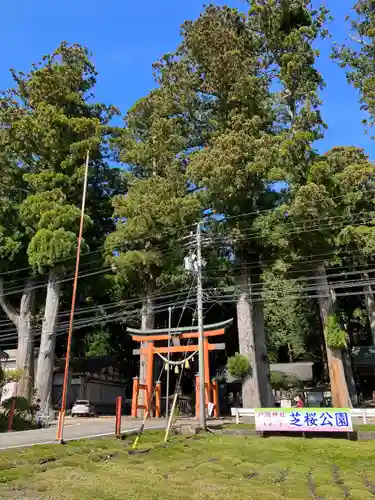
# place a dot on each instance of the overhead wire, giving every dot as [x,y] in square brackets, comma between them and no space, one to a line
[257,212]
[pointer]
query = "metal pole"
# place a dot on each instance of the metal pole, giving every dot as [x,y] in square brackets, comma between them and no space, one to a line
[60,426]
[202,396]
[168,370]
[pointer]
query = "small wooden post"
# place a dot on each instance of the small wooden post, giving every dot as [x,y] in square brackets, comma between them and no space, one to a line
[11,415]
[118,416]
[158,399]
[135,396]
[215,397]
[196,395]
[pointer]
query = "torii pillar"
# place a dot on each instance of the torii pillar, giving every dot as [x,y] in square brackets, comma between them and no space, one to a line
[147,339]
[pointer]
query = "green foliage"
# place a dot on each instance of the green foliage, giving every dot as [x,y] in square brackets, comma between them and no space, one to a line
[358,56]
[336,337]
[236,108]
[9,376]
[98,343]
[286,319]
[151,218]
[48,123]
[281,381]
[23,418]
[238,366]
[21,404]
[48,248]
[12,375]
[339,184]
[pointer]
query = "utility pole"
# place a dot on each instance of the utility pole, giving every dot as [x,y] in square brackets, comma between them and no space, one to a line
[60,425]
[202,395]
[168,367]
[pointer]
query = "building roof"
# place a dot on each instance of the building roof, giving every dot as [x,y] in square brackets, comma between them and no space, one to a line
[303,370]
[364,355]
[95,364]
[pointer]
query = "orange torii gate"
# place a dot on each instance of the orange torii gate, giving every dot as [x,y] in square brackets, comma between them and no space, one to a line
[147,339]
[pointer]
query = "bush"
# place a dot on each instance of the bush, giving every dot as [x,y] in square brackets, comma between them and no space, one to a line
[335,336]
[238,365]
[21,404]
[23,414]
[19,423]
[281,381]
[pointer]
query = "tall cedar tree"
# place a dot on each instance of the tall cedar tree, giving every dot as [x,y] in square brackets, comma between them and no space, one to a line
[357,56]
[49,121]
[223,74]
[146,249]
[331,212]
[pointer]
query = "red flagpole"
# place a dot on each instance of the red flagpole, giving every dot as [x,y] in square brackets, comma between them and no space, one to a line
[60,426]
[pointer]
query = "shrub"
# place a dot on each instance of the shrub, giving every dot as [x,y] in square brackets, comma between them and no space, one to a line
[23,414]
[281,381]
[335,336]
[238,365]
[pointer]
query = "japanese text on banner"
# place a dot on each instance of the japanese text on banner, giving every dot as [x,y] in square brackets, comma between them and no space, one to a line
[303,420]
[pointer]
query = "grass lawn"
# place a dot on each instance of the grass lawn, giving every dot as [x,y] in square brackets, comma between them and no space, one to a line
[213,467]
[251,427]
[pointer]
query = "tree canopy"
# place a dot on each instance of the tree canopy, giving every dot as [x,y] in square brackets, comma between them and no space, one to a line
[228,138]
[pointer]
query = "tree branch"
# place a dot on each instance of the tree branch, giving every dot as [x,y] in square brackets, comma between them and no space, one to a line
[7,307]
[362,42]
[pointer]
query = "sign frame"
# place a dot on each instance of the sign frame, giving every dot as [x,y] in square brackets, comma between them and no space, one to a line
[303,420]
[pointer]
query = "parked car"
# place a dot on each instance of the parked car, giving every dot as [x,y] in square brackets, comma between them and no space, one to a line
[82,408]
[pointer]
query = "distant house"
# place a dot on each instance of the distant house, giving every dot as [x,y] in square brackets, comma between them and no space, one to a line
[302,370]
[97,379]
[11,362]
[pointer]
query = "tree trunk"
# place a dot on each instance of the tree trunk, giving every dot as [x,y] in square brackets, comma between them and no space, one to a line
[256,388]
[25,348]
[265,389]
[339,386]
[147,323]
[347,361]
[370,304]
[44,373]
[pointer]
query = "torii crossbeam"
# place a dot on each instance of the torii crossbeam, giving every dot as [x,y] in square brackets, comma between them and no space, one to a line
[147,339]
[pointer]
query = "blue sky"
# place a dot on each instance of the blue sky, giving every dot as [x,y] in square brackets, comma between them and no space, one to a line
[127,36]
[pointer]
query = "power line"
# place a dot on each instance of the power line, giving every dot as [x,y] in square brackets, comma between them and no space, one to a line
[14,291]
[268,210]
[61,329]
[178,293]
[286,233]
[303,279]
